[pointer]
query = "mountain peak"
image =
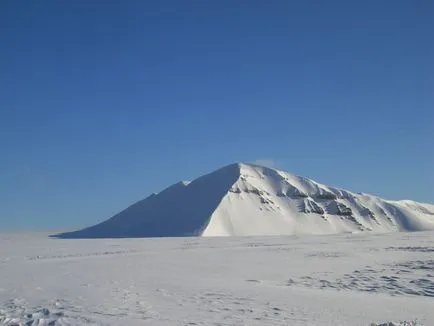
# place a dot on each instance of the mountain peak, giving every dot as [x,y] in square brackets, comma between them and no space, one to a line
[249,199]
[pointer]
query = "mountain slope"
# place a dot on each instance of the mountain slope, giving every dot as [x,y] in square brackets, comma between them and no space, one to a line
[246,199]
[265,201]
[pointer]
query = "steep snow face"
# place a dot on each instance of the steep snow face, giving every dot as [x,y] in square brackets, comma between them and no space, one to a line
[265,201]
[246,199]
[183,209]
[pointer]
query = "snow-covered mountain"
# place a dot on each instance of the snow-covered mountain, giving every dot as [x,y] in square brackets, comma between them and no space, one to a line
[245,199]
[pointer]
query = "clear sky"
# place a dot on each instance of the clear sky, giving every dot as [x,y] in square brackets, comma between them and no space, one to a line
[105,102]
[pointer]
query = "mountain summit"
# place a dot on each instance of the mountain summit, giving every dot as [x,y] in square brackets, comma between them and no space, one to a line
[245,199]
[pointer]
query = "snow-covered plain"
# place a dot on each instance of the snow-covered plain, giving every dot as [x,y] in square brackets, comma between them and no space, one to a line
[346,279]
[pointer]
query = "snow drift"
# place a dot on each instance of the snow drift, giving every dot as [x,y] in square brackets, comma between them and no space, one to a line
[245,200]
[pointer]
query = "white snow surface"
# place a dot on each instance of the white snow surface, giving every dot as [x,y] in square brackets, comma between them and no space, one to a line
[346,279]
[247,200]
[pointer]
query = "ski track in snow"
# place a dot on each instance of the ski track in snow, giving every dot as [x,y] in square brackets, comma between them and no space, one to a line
[362,279]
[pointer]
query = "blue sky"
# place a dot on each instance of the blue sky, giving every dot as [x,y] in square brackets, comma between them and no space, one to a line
[104,102]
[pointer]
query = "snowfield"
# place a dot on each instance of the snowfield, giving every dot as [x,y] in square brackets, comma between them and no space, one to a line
[346,279]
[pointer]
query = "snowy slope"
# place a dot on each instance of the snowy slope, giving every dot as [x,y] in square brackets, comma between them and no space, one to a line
[245,199]
[265,201]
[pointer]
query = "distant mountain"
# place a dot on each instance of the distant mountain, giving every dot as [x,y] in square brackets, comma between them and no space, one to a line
[245,199]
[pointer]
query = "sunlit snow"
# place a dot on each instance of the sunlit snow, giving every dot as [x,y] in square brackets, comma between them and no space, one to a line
[346,279]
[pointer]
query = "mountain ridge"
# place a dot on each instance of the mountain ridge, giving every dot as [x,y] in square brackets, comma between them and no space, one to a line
[248,199]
